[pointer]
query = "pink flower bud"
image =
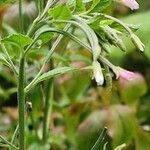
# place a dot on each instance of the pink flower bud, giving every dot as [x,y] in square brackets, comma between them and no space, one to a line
[122,73]
[132,4]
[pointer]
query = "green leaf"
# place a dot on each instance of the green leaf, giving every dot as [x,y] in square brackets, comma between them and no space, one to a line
[80,7]
[123,118]
[46,37]
[88,129]
[99,5]
[55,72]
[60,12]
[17,39]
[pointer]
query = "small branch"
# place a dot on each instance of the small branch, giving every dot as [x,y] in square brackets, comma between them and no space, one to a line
[7,142]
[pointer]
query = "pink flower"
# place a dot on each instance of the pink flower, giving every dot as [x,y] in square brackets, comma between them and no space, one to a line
[132,4]
[122,73]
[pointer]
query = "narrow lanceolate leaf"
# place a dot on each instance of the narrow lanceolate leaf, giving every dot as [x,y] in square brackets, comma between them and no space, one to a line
[61,11]
[55,72]
[100,140]
[18,40]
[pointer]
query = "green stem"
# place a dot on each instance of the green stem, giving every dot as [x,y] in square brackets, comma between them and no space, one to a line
[21,104]
[47,110]
[20,16]
[7,142]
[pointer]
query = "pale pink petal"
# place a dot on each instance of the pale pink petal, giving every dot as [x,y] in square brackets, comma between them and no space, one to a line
[122,73]
[132,4]
[128,75]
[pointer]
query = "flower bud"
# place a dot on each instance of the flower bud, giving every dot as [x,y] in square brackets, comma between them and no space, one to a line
[122,73]
[137,42]
[113,36]
[132,4]
[97,71]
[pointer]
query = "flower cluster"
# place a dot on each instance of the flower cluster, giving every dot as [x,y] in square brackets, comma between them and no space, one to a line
[118,71]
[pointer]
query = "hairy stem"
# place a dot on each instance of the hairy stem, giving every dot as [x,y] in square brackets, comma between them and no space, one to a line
[21,104]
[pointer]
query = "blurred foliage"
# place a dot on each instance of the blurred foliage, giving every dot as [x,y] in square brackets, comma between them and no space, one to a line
[81,109]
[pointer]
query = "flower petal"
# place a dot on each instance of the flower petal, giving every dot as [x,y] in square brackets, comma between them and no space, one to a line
[132,4]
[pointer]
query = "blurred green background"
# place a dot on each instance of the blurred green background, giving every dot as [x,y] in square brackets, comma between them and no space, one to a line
[81,109]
